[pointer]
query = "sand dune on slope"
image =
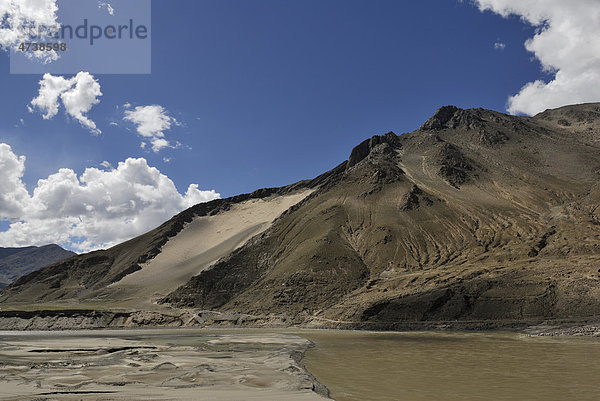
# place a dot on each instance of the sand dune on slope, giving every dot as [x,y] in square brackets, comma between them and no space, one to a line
[201,243]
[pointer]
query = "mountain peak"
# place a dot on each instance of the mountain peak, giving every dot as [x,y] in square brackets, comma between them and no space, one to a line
[364,149]
[454,117]
[441,117]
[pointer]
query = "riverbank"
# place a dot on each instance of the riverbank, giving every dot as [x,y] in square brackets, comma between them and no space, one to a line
[155,365]
[85,319]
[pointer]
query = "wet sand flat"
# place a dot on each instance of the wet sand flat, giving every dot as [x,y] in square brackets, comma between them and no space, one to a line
[153,365]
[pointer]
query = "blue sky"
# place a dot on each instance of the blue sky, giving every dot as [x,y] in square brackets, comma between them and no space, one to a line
[269,92]
[276,91]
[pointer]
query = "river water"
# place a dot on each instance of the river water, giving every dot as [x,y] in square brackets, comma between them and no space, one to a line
[367,366]
[359,366]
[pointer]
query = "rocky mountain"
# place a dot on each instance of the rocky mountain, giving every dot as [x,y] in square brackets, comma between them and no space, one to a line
[18,262]
[475,216]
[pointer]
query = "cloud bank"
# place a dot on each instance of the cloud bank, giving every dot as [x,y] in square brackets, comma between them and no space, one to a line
[151,123]
[98,209]
[567,43]
[77,94]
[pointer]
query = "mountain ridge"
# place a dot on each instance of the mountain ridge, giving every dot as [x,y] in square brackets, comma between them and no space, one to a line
[17,262]
[446,160]
[476,215]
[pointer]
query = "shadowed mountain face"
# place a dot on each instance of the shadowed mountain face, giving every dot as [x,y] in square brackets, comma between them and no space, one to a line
[475,216]
[17,262]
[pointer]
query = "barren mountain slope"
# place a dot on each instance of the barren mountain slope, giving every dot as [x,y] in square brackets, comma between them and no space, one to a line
[476,215]
[132,274]
[17,262]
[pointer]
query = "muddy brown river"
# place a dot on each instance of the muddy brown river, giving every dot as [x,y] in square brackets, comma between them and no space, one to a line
[358,366]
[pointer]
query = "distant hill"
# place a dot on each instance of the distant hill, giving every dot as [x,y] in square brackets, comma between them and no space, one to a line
[475,216]
[18,262]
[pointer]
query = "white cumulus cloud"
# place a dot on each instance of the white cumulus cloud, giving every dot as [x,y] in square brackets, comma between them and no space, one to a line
[151,123]
[567,43]
[22,21]
[97,209]
[13,194]
[78,95]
